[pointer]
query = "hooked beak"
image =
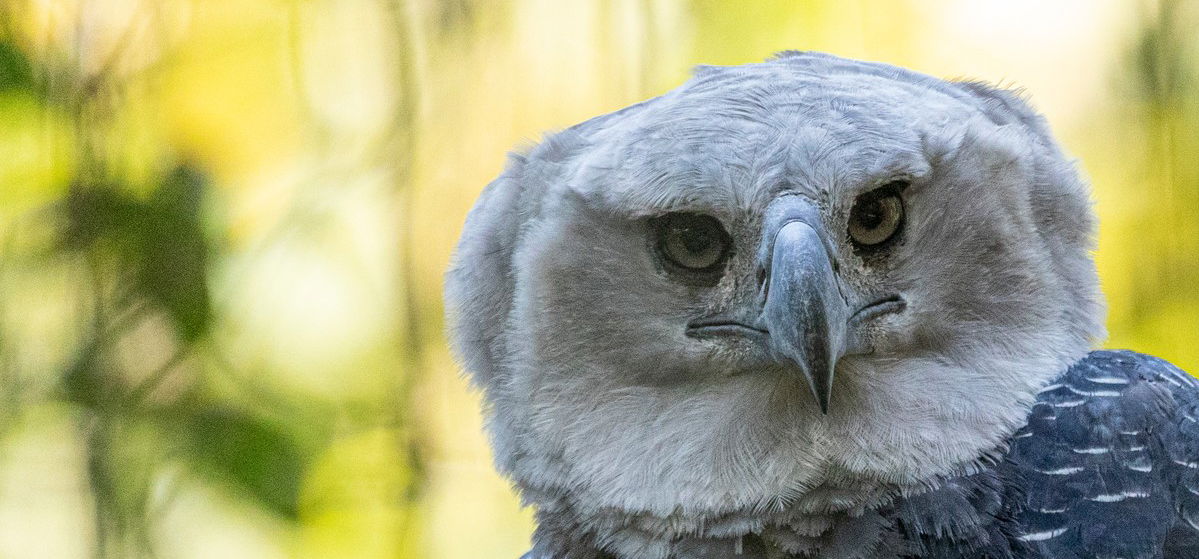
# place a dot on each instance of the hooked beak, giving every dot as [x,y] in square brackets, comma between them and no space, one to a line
[804,311]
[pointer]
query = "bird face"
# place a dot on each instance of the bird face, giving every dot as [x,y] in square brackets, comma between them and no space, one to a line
[776,283]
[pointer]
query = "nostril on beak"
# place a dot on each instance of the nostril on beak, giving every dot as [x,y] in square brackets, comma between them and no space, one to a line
[763,285]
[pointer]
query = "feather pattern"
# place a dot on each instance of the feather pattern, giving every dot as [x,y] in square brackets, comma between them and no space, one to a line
[1105,467]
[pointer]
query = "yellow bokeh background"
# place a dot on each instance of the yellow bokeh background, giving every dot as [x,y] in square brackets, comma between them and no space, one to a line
[340,145]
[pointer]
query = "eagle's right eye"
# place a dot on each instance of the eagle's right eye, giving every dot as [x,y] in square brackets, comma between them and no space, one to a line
[694,243]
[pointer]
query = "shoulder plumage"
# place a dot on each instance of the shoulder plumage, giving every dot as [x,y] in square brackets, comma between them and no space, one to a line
[1105,444]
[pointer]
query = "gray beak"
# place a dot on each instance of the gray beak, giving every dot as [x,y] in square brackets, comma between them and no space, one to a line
[804,310]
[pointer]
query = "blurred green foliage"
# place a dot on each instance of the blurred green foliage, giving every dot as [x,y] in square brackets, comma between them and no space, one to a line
[159,242]
[16,74]
[256,455]
[223,225]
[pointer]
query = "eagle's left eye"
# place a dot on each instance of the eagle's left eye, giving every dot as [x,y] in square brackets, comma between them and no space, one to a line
[693,242]
[877,216]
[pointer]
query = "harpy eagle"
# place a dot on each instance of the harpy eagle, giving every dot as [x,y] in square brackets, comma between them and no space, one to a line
[815,307]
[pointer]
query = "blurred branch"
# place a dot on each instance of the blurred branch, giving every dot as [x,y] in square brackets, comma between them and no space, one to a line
[137,396]
[11,386]
[1165,64]
[402,139]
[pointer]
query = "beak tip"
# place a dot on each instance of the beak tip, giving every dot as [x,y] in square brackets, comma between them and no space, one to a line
[821,389]
[822,399]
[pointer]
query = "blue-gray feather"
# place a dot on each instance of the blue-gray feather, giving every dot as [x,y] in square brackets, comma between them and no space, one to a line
[1108,466]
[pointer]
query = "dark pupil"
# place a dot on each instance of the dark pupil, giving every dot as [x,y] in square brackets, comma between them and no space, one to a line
[871,216]
[695,239]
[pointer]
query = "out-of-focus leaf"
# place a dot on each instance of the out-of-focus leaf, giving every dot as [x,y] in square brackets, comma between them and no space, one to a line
[172,252]
[161,240]
[1162,58]
[96,213]
[82,383]
[15,70]
[253,454]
